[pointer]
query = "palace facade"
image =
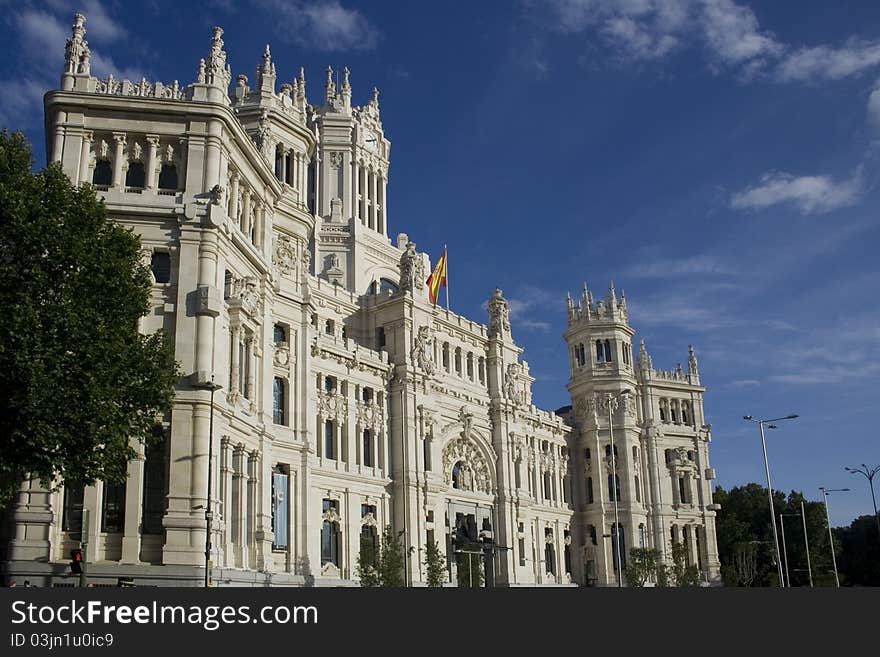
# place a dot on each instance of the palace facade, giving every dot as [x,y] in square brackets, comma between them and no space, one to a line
[343,400]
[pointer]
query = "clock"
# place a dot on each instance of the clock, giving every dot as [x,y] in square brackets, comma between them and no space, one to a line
[371,141]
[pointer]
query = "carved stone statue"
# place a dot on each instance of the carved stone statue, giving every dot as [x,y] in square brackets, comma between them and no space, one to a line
[420,352]
[692,361]
[510,379]
[408,268]
[499,314]
[467,421]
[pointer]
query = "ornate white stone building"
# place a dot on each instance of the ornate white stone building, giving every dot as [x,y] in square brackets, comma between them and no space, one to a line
[348,401]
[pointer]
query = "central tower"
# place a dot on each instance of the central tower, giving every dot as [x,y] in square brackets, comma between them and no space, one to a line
[347,191]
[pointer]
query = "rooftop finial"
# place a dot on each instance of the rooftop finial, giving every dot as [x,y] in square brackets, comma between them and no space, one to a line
[76,50]
[346,86]
[376,97]
[217,72]
[692,360]
[644,360]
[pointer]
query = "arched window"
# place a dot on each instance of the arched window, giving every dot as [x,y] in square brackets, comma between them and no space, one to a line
[684,414]
[279,334]
[103,174]
[445,353]
[662,412]
[329,327]
[456,475]
[548,488]
[382,286]
[549,552]
[638,490]
[369,545]
[280,481]
[470,365]
[136,176]
[458,361]
[168,177]
[330,543]
[329,440]
[368,448]
[600,352]
[618,536]
[160,265]
[278,401]
[613,488]
[608,358]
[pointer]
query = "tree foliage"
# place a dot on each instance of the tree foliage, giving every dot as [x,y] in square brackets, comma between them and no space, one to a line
[435,565]
[78,381]
[683,573]
[859,560]
[745,537]
[641,566]
[384,566]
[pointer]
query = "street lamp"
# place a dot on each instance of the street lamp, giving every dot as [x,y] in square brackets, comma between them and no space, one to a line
[825,492]
[784,548]
[869,474]
[209,515]
[612,402]
[769,487]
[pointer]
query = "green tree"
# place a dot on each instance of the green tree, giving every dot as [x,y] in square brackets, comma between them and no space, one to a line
[78,381]
[435,565]
[744,520]
[859,556]
[642,566]
[365,567]
[683,573]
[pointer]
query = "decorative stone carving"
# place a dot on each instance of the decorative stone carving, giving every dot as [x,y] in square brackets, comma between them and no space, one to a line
[499,314]
[467,421]
[331,405]
[408,268]
[511,377]
[420,354]
[369,414]
[137,151]
[284,255]
[282,354]
[245,291]
[216,194]
[473,468]
[692,361]
[336,158]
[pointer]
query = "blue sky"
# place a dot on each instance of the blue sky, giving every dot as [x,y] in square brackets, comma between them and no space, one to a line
[717,159]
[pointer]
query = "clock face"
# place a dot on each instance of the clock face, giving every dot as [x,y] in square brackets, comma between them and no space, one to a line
[371,141]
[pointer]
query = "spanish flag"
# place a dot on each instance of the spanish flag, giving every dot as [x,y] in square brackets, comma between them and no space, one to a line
[437,279]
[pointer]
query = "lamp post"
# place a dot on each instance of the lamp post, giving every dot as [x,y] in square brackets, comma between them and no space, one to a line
[612,402]
[784,547]
[769,487]
[869,475]
[209,515]
[807,544]
[825,492]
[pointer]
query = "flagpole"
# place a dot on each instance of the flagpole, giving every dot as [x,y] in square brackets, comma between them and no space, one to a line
[446,272]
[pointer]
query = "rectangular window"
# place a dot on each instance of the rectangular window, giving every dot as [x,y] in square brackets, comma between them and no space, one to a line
[329,440]
[368,448]
[71,518]
[113,508]
[380,337]
[278,401]
[155,483]
[280,488]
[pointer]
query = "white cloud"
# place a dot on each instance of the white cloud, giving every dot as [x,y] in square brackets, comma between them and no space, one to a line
[744,383]
[21,103]
[827,63]
[685,266]
[531,307]
[100,25]
[732,33]
[810,194]
[874,106]
[323,25]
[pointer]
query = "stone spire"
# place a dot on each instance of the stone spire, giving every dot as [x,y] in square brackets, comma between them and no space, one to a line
[299,95]
[329,87]
[499,315]
[216,71]
[266,73]
[692,361]
[77,58]
[612,297]
[643,362]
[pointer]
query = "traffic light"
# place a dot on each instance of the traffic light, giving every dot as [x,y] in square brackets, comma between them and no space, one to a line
[76,558]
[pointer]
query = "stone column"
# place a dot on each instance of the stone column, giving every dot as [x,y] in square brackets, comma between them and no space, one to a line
[84,158]
[284,153]
[382,226]
[234,339]
[212,155]
[252,366]
[134,493]
[152,149]
[32,520]
[374,199]
[233,196]
[58,143]
[253,509]
[118,159]
[244,222]
[226,500]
